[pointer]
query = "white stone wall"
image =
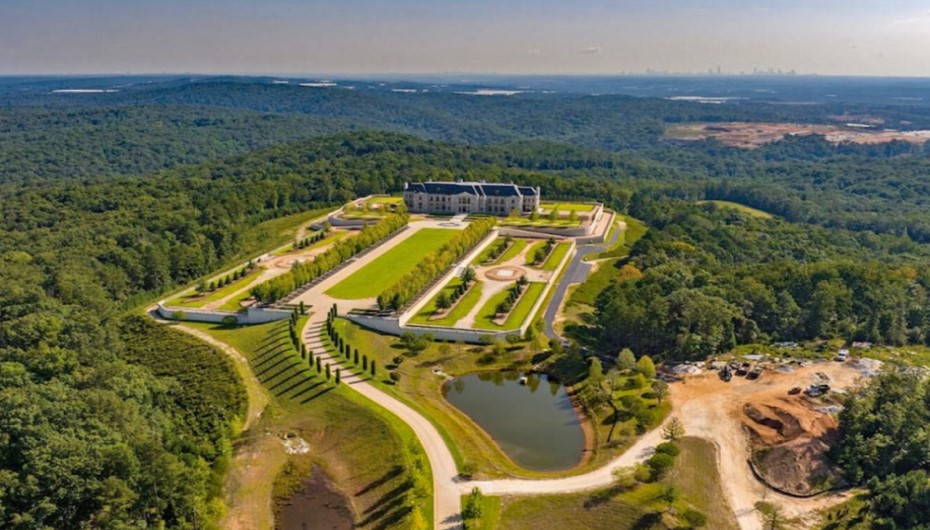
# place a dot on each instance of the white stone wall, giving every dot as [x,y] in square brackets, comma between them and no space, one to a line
[250,316]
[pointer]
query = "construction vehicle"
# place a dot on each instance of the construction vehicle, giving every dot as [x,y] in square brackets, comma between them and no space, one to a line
[726,374]
[818,390]
[743,369]
[755,373]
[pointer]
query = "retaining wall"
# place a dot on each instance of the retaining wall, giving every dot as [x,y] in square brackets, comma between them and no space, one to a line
[399,326]
[252,315]
[454,271]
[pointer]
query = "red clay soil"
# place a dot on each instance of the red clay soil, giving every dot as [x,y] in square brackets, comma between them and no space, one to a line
[789,443]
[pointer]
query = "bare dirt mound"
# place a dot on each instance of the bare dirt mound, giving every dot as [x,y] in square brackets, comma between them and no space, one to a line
[789,444]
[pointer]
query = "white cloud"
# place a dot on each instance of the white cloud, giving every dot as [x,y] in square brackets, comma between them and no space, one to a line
[590,50]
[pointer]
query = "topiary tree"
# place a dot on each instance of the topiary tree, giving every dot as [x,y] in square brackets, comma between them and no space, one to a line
[230,321]
[373,368]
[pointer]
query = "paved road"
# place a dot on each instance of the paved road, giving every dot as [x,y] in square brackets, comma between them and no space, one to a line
[577,272]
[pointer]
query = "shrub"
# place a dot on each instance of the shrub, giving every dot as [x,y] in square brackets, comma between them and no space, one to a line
[660,463]
[642,473]
[668,448]
[694,518]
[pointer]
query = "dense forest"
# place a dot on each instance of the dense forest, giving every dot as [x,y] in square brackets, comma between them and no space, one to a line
[710,278]
[107,201]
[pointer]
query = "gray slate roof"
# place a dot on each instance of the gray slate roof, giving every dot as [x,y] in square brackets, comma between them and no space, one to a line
[471,188]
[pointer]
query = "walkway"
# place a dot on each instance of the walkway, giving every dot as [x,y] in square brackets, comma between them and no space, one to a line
[446,493]
[576,272]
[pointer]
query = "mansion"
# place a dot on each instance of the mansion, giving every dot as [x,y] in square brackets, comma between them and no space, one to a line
[471,197]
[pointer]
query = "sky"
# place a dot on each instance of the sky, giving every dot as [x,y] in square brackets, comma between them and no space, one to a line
[344,37]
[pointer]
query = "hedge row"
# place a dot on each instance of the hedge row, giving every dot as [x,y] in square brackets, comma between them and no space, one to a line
[397,296]
[341,251]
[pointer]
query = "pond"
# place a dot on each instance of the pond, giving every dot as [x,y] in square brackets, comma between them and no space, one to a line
[534,423]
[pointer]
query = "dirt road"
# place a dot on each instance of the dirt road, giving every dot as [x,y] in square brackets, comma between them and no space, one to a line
[711,409]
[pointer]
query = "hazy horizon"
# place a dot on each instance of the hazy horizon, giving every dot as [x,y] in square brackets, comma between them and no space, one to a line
[477,37]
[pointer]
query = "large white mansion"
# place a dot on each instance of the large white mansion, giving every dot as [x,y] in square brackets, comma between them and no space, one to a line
[470,197]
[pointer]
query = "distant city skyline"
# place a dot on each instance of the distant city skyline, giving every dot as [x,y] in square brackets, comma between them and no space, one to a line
[355,37]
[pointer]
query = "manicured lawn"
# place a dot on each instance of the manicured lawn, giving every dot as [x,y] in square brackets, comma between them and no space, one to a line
[558,253]
[235,303]
[740,207]
[516,246]
[278,232]
[328,240]
[372,279]
[484,318]
[587,292]
[542,221]
[567,206]
[184,301]
[532,251]
[490,514]
[386,200]
[512,252]
[465,304]
[367,451]
[575,511]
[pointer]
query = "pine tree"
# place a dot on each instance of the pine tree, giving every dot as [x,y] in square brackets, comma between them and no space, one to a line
[372,367]
[328,372]
[338,376]
[364,362]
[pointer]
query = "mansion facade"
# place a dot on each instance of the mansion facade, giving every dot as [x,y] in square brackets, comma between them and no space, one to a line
[471,197]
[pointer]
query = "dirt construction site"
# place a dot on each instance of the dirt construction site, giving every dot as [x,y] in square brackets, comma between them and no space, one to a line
[785,431]
[753,135]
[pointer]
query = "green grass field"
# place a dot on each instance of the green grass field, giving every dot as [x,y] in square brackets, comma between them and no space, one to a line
[512,252]
[587,292]
[218,294]
[556,257]
[696,475]
[363,447]
[739,207]
[567,206]
[516,246]
[484,318]
[372,279]
[386,200]
[542,221]
[465,304]
[420,388]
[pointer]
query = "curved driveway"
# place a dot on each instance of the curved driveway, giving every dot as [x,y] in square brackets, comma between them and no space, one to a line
[576,272]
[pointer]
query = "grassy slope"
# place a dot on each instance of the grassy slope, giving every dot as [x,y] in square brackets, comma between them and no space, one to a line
[696,475]
[372,279]
[357,443]
[420,388]
[184,301]
[740,207]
